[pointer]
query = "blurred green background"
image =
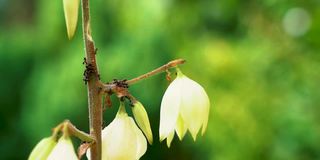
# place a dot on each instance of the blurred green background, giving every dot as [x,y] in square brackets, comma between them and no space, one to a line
[258,60]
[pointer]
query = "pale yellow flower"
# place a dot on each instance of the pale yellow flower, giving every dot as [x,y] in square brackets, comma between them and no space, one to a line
[42,150]
[185,106]
[122,139]
[63,150]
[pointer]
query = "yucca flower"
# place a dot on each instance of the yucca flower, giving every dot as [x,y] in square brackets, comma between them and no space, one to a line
[42,150]
[185,106]
[63,150]
[122,139]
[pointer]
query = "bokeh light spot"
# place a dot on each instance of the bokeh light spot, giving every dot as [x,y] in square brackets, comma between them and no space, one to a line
[296,22]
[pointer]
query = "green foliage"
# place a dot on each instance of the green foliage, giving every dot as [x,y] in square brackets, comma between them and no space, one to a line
[262,82]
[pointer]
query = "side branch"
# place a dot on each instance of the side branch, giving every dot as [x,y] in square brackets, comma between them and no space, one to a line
[78,133]
[72,130]
[163,68]
[120,87]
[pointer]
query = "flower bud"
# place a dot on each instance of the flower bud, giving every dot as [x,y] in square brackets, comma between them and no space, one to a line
[71,8]
[185,106]
[63,150]
[141,117]
[42,150]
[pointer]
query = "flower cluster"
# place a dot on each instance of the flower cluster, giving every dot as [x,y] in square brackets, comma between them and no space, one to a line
[184,107]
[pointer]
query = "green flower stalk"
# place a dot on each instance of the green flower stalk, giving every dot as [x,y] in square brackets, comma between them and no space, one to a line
[185,106]
[42,150]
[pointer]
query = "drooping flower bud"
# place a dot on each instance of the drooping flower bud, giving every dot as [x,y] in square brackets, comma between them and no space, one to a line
[185,106]
[141,117]
[42,150]
[71,8]
[63,150]
[122,139]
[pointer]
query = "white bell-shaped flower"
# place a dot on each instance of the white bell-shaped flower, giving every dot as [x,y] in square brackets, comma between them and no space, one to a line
[63,150]
[122,139]
[43,149]
[185,106]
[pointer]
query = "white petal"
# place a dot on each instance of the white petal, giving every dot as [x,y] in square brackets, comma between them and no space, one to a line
[119,140]
[194,105]
[63,150]
[181,128]
[206,117]
[170,138]
[140,140]
[122,139]
[169,109]
[43,149]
